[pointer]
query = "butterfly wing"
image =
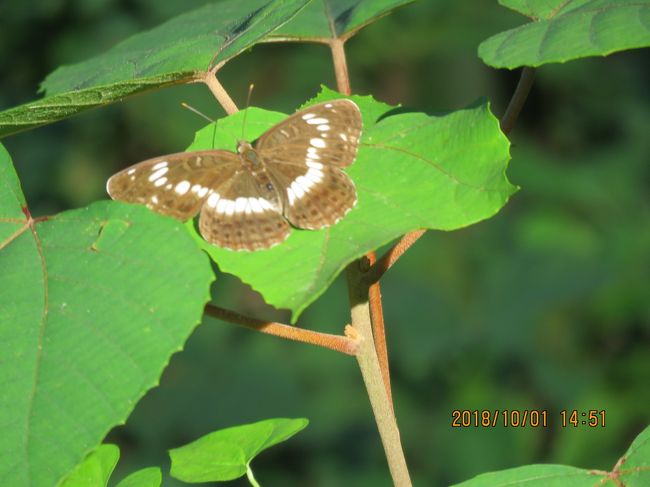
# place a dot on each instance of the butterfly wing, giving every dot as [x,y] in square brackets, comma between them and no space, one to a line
[326,132]
[237,217]
[304,154]
[176,185]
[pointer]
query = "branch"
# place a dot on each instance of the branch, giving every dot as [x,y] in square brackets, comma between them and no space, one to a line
[518,99]
[372,376]
[219,92]
[378,328]
[390,257]
[338,343]
[340,66]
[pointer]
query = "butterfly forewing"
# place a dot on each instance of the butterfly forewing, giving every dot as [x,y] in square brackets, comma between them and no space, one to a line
[304,154]
[328,133]
[236,217]
[176,185]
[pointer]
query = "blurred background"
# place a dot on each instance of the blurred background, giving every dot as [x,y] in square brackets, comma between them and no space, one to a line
[545,306]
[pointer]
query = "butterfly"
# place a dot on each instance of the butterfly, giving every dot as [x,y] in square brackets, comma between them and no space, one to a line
[248,200]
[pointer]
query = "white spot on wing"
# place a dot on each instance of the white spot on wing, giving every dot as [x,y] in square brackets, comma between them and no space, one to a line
[221,205]
[313,153]
[240,204]
[316,142]
[230,207]
[160,172]
[131,171]
[297,189]
[160,182]
[255,205]
[343,136]
[315,165]
[323,128]
[160,165]
[314,175]
[202,192]
[317,121]
[154,199]
[328,105]
[213,199]
[291,195]
[307,116]
[183,187]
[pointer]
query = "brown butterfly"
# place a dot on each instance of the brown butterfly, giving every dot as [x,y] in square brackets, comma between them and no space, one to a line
[292,175]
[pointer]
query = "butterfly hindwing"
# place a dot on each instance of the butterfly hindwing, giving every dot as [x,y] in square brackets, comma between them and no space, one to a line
[175,185]
[315,195]
[236,217]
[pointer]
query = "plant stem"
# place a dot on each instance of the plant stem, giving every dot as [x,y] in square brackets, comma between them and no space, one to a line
[340,66]
[251,477]
[338,343]
[518,99]
[372,376]
[378,329]
[219,92]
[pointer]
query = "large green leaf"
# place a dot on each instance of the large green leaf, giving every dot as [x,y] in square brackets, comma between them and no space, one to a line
[96,468]
[226,454]
[327,19]
[563,30]
[413,171]
[633,470]
[93,303]
[174,52]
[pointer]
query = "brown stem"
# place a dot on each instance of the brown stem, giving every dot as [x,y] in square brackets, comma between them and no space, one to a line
[372,376]
[379,330]
[340,66]
[390,257]
[219,92]
[518,99]
[343,344]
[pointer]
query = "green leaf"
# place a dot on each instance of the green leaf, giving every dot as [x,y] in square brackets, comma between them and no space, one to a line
[93,304]
[413,171]
[96,469]
[329,19]
[226,454]
[175,52]
[633,470]
[565,30]
[147,477]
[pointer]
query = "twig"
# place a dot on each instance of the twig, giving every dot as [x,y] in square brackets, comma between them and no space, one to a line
[390,257]
[378,329]
[372,376]
[518,99]
[340,66]
[219,92]
[338,343]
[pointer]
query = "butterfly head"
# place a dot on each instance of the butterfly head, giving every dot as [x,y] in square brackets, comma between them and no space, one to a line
[243,146]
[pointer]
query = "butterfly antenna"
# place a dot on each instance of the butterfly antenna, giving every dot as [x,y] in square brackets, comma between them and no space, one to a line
[248,104]
[192,109]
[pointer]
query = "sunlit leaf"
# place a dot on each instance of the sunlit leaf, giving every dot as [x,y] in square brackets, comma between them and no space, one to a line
[147,477]
[413,171]
[96,468]
[226,454]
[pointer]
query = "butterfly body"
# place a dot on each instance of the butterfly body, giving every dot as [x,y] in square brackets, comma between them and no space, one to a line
[248,200]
